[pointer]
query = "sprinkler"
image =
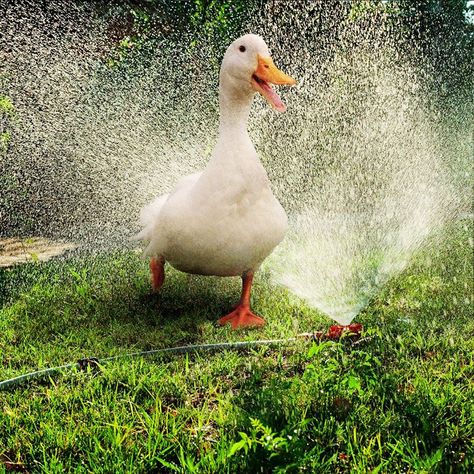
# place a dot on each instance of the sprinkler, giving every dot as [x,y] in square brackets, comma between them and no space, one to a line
[337,331]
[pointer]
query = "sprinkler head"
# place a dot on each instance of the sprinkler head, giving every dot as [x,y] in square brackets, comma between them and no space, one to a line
[337,331]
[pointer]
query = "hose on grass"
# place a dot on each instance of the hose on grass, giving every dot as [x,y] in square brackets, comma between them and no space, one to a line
[94,362]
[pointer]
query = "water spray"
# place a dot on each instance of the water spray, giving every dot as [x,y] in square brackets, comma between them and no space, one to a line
[362,161]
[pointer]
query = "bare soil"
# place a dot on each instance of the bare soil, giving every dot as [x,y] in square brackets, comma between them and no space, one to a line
[14,250]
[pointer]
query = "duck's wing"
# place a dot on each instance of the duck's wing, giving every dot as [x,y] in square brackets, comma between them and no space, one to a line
[150,213]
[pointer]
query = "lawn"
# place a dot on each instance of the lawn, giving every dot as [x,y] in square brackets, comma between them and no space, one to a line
[401,399]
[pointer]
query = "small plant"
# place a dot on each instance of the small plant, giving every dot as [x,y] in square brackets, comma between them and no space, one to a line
[260,436]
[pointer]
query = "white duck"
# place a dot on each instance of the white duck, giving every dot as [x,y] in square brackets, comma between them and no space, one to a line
[225,220]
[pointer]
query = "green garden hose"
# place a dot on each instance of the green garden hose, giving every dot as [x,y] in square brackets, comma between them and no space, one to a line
[334,333]
[92,362]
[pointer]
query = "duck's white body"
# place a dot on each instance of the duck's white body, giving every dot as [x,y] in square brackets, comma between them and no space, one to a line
[224,221]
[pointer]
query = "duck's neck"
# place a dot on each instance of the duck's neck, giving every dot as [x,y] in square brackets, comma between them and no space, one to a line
[234,165]
[234,111]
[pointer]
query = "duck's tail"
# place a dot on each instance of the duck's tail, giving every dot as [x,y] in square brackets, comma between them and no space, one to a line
[149,217]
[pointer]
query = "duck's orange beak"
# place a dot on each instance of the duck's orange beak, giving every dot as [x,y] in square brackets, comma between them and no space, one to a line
[265,75]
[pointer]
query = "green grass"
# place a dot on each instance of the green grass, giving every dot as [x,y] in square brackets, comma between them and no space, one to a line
[400,401]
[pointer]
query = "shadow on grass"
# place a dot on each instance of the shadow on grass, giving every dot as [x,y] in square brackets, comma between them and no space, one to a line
[103,305]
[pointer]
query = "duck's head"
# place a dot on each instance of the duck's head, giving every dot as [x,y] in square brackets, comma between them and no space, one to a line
[247,68]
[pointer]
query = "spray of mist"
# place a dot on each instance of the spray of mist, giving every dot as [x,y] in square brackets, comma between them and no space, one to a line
[359,161]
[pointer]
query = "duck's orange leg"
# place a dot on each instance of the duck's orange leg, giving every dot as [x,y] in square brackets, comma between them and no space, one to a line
[242,316]
[157,269]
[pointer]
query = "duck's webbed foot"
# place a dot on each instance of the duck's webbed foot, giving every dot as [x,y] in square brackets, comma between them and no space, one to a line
[157,269]
[242,317]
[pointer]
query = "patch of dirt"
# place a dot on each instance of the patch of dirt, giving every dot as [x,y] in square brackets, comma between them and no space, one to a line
[36,249]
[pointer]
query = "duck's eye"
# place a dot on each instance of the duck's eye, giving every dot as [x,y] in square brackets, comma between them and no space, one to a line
[242,49]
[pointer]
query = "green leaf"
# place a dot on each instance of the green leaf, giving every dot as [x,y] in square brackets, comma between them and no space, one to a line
[353,383]
[168,464]
[237,446]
